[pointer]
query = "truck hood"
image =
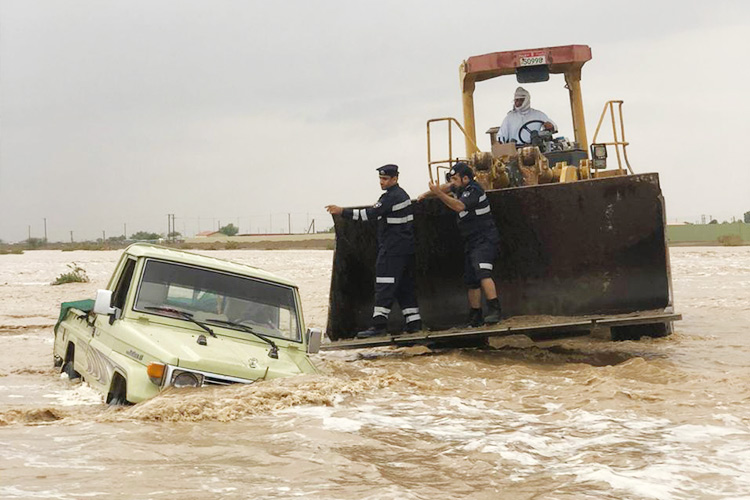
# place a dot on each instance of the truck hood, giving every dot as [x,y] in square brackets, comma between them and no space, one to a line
[229,353]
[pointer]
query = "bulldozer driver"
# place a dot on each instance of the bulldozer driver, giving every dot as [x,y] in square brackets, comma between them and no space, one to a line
[523,119]
[395,263]
[480,237]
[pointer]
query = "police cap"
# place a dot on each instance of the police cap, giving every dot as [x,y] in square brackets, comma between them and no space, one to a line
[388,170]
[462,170]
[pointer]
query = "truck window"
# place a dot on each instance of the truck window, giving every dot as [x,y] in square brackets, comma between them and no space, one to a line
[206,294]
[123,285]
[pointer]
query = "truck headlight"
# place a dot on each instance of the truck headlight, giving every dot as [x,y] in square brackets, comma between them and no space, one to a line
[156,372]
[187,379]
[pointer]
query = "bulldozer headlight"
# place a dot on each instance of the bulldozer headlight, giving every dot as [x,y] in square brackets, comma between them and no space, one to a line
[599,155]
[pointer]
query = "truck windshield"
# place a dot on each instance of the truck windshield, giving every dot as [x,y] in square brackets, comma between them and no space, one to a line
[270,309]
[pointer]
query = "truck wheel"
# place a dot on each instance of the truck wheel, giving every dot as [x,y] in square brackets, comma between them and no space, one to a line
[70,371]
[68,368]
[117,395]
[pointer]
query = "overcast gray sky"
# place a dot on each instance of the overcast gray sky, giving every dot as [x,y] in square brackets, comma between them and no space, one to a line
[120,112]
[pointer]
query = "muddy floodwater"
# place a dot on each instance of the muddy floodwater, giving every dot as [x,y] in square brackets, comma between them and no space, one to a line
[578,418]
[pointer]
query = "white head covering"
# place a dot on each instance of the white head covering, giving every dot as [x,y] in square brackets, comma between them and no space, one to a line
[522,93]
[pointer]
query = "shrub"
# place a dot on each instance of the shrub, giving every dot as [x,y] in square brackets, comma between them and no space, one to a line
[231,245]
[730,240]
[76,275]
[34,243]
[229,230]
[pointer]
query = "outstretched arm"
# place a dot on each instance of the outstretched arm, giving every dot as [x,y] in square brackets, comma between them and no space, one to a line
[446,188]
[441,192]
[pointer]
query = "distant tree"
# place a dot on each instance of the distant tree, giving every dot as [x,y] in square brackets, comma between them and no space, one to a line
[116,239]
[714,221]
[747,217]
[174,234]
[229,230]
[143,235]
[35,242]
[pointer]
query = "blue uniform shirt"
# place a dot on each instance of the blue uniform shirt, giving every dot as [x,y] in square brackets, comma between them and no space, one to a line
[476,221]
[394,214]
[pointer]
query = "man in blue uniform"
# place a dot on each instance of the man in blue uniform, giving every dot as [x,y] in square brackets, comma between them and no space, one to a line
[394,267]
[480,238]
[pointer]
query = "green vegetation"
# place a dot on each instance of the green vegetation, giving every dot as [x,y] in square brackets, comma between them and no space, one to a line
[747,217]
[143,235]
[229,230]
[11,250]
[730,240]
[231,245]
[34,243]
[76,275]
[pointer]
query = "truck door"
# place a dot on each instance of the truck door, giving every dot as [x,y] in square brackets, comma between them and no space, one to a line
[104,337]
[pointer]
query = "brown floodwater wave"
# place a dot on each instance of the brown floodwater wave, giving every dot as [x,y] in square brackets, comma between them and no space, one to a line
[580,417]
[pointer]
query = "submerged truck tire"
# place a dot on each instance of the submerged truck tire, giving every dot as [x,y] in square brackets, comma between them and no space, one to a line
[567,249]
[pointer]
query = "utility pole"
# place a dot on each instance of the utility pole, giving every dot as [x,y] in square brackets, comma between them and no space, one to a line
[125,230]
[104,236]
[170,227]
[71,236]
[289,222]
[45,229]
[29,233]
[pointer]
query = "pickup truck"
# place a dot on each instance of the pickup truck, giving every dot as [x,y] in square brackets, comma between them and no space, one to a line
[170,318]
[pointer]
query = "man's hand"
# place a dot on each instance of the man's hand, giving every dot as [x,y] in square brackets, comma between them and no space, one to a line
[334,209]
[435,188]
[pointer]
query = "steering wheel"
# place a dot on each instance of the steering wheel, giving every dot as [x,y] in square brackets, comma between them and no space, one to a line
[525,127]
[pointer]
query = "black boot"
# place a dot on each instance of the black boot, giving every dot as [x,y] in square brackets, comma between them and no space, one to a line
[493,313]
[373,331]
[414,326]
[475,317]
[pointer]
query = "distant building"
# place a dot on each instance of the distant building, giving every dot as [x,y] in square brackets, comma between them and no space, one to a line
[207,234]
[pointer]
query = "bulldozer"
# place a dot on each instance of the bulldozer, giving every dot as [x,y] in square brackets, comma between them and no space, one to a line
[583,243]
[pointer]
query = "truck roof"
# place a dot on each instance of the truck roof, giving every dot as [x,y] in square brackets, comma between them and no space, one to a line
[170,254]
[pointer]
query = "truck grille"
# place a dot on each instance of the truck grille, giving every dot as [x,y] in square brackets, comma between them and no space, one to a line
[217,380]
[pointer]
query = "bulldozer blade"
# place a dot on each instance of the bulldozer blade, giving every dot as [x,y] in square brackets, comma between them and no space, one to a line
[567,249]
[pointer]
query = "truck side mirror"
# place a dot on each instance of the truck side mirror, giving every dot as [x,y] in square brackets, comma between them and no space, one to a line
[313,340]
[103,302]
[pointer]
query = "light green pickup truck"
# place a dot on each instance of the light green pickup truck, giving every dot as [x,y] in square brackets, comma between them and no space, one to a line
[175,319]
